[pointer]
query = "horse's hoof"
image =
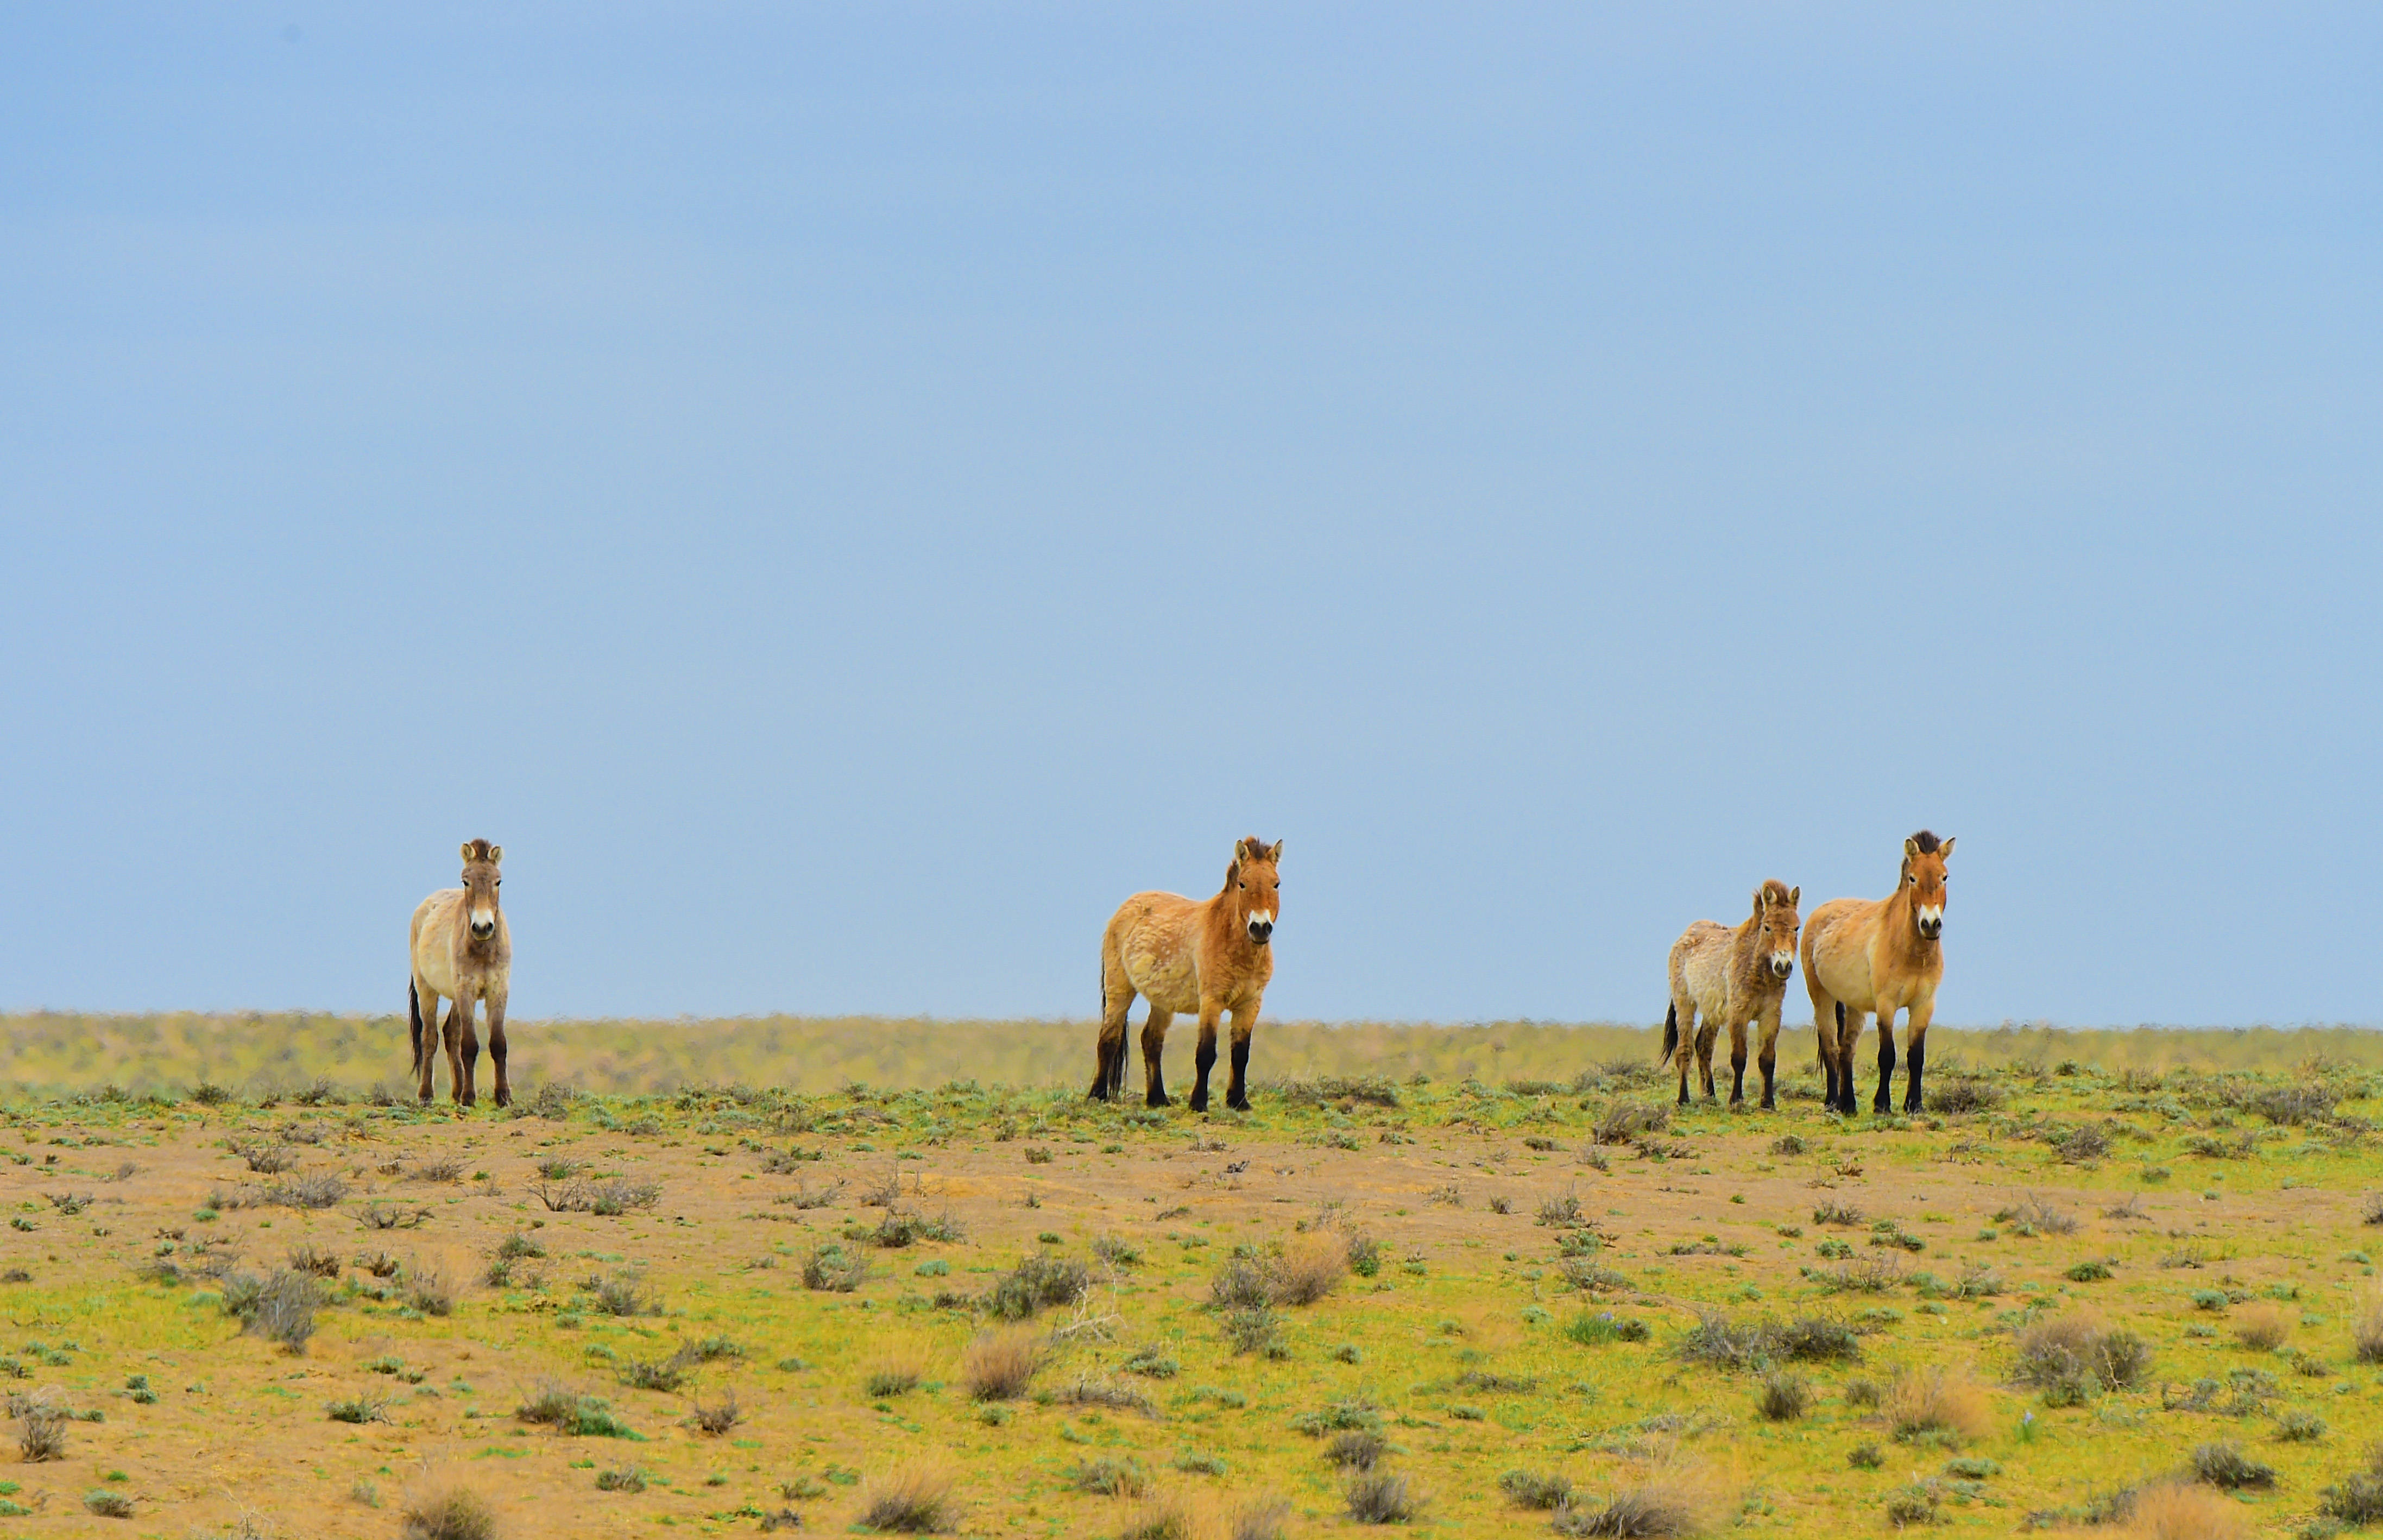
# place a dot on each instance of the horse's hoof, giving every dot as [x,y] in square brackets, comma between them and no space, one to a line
[504,1099]
[1238,1103]
[1157,1099]
[1098,1093]
[1199,1103]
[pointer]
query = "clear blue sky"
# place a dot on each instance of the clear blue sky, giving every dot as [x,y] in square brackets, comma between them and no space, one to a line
[844,495]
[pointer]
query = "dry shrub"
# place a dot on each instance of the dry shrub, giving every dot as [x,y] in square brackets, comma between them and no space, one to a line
[914,1499]
[2262,1327]
[1163,1519]
[40,1429]
[2172,1512]
[1933,1400]
[1266,1519]
[715,1419]
[1379,1498]
[998,1366]
[2077,1349]
[892,1374]
[1664,1498]
[2227,1466]
[2366,1332]
[448,1513]
[1312,1266]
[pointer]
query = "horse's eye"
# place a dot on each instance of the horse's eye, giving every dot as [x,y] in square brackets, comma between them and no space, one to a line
[1243,886]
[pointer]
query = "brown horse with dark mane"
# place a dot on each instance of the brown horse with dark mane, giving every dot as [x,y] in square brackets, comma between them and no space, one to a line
[1183,955]
[1884,955]
[464,950]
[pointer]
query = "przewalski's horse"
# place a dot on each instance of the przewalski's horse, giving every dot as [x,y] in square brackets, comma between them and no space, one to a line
[463,949]
[1733,978]
[1883,954]
[1184,955]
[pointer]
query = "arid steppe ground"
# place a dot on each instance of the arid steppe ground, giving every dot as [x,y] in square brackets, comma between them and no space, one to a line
[1544,1300]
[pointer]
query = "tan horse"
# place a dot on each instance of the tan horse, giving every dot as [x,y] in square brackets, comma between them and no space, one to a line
[1733,978]
[463,949]
[1862,955]
[1184,955]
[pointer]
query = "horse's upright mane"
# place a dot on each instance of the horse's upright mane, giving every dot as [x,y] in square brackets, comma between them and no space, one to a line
[1926,842]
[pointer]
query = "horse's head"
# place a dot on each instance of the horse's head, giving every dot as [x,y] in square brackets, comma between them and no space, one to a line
[1923,878]
[480,884]
[1776,923]
[1255,884]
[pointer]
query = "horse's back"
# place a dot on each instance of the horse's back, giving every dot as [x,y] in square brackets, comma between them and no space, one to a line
[1836,947]
[1155,937]
[1700,965]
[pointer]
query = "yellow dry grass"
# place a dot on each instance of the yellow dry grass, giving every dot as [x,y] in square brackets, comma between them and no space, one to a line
[2180,1512]
[999,1365]
[2262,1327]
[1937,1399]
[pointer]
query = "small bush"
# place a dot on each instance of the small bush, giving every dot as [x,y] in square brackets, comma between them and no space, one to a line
[1379,1498]
[629,1480]
[2262,1327]
[1152,1363]
[1624,1121]
[832,1270]
[108,1504]
[1935,1401]
[1784,1397]
[315,1260]
[2078,1349]
[429,1290]
[568,1411]
[1110,1478]
[2294,1426]
[2224,1465]
[453,1513]
[1865,1457]
[279,1308]
[1907,1507]
[1833,1213]
[891,1378]
[358,1409]
[2172,1512]
[1355,1449]
[1310,1268]
[40,1429]
[2366,1333]
[622,1294]
[1531,1489]
[1268,1519]
[2357,1498]
[998,1366]
[915,1500]
[665,1374]
[717,1418]
[517,1247]
[1037,1283]
[1254,1329]
[265,1158]
[1663,1499]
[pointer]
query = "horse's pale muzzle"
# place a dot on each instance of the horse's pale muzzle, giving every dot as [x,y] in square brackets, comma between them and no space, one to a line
[484,924]
[1261,929]
[1931,921]
[1782,963]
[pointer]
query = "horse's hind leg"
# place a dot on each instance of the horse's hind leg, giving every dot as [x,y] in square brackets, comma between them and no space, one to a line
[1154,1044]
[497,1049]
[426,1037]
[1708,1033]
[468,1030]
[1683,1039]
[1883,1104]
[1736,1060]
[450,1038]
[1108,1049]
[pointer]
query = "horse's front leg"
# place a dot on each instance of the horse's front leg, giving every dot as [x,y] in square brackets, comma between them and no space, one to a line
[1737,1025]
[1884,1102]
[1203,1058]
[1915,1042]
[1153,1044]
[1246,1022]
[1766,1051]
[497,1047]
[467,1031]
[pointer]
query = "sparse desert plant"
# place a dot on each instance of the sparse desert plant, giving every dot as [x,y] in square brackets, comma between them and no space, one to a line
[2173,1511]
[517,1247]
[1938,1401]
[2034,1216]
[1624,1121]
[1379,1498]
[279,1308]
[2297,1425]
[622,1294]
[2262,1327]
[2357,1498]
[626,1479]
[1536,1489]
[831,1269]
[1266,1519]
[1918,1503]
[1311,1267]
[429,1290]
[317,1261]
[264,1157]
[1355,1449]
[1832,1211]
[40,1428]
[1107,1478]
[665,1374]
[2366,1332]
[913,1500]
[716,1418]
[1164,1519]
[1037,1283]
[1783,1398]
[448,1513]
[568,1411]
[998,1365]
[2077,1353]
[1662,1499]
[108,1504]
[358,1409]
[892,1377]
[2225,1465]
[439,1168]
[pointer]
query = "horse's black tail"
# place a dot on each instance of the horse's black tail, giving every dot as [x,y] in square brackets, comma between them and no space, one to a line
[413,1009]
[1671,1032]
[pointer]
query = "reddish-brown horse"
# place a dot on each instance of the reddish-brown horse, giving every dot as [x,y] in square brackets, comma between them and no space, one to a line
[1182,954]
[463,949]
[1882,955]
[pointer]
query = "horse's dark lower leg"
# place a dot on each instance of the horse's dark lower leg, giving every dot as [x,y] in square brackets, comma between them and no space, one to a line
[1915,1055]
[1237,1090]
[470,1063]
[1885,1066]
[1103,1052]
[1202,1058]
[1736,1066]
[1768,1061]
[497,1055]
[1153,1046]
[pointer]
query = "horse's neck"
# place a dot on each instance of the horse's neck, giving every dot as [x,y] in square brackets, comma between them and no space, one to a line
[1902,935]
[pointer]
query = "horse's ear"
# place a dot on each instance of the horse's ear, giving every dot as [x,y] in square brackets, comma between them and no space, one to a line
[1275,855]
[1761,896]
[1945,849]
[1910,849]
[496,853]
[467,850]
[1795,895]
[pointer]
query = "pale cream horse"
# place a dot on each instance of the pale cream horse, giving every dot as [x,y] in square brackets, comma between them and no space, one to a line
[463,950]
[1732,976]
[1209,955]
